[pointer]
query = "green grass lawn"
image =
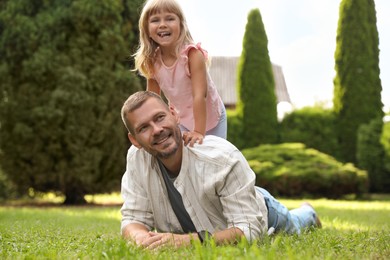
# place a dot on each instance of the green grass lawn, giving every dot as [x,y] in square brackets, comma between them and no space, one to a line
[351,230]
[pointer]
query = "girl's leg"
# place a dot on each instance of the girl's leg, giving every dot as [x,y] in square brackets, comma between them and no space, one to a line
[183,128]
[221,128]
[291,222]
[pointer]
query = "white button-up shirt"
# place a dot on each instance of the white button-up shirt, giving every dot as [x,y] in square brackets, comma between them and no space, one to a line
[216,184]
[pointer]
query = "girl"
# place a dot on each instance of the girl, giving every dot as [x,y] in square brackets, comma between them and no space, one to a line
[170,61]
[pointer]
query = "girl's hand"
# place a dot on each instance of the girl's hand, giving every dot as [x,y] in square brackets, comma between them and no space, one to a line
[192,138]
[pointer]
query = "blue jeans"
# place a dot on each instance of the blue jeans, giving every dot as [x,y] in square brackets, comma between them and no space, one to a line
[219,130]
[284,220]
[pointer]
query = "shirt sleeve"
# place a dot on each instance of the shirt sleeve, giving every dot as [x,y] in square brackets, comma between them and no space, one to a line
[136,207]
[242,208]
[186,50]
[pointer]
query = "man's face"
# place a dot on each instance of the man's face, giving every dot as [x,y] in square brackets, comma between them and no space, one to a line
[156,129]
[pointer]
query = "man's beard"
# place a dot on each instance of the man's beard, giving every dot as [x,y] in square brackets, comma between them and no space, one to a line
[168,153]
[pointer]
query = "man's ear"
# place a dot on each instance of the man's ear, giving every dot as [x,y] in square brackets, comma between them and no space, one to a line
[174,113]
[133,140]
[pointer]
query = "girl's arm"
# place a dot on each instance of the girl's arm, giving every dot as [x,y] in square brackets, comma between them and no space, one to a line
[153,86]
[197,66]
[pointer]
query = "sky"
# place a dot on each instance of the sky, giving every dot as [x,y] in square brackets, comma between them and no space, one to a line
[301,39]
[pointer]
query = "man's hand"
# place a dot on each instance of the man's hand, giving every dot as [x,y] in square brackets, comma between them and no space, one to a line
[140,237]
[136,232]
[159,240]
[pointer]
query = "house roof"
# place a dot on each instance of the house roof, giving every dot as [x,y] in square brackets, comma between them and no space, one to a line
[223,71]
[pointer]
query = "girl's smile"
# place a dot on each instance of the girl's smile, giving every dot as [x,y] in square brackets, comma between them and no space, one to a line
[164,28]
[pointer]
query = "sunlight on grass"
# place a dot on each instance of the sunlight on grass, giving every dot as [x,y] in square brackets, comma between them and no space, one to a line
[349,215]
[353,205]
[112,198]
[351,230]
[346,226]
[37,198]
[87,212]
[51,197]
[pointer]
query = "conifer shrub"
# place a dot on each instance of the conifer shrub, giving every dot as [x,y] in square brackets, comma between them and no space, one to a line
[256,103]
[357,84]
[64,77]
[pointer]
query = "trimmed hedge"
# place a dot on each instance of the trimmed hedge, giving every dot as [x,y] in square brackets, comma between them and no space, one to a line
[291,169]
[313,126]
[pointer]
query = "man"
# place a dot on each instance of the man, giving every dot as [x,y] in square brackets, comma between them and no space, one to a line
[174,193]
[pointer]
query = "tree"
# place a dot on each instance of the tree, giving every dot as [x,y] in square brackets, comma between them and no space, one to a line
[357,86]
[64,76]
[256,103]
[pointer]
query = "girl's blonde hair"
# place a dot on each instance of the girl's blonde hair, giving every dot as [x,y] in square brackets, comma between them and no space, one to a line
[145,55]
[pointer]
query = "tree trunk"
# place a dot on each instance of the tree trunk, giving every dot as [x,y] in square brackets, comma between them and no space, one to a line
[74,196]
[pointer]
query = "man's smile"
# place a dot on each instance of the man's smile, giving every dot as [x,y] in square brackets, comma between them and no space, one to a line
[161,139]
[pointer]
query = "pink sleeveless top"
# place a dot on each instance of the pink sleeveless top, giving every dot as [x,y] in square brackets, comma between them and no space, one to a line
[175,83]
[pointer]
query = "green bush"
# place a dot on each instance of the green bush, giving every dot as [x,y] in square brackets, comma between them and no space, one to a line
[385,141]
[313,126]
[385,138]
[6,187]
[291,169]
[371,154]
[234,133]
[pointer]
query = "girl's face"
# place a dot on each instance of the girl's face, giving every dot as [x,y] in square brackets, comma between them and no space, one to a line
[164,28]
